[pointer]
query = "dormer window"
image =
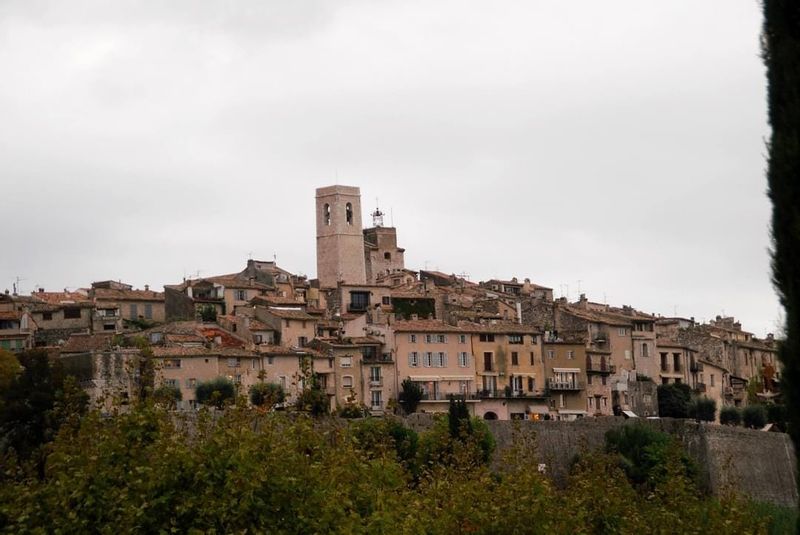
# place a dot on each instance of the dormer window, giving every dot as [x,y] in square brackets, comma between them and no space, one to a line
[326,212]
[348,212]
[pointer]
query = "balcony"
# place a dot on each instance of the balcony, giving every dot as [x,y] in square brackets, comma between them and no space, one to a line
[442,396]
[700,388]
[503,394]
[608,369]
[373,358]
[376,381]
[554,384]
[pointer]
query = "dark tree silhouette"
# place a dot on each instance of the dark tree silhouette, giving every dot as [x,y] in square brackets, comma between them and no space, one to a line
[781,52]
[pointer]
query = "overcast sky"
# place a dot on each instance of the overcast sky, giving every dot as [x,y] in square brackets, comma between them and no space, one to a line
[616,147]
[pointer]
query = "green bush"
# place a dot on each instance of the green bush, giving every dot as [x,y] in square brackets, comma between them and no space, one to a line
[643,452]
[216,392]
[730,416]
[776,414]
[674,400]
[703,409]
[410,396]
[168,396]
[353,410]
[754,416]
[267,395]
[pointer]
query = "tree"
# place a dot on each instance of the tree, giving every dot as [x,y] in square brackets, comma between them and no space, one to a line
[674,400]
[458,421]
[730,416]
[312,398]
[754,416]
[208,313]
[267,395]
[168,396]
[781,50]
[703,409]
[217,392]
[410,396]
[643,452]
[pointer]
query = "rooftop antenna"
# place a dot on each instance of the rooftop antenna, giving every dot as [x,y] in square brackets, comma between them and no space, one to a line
[391,216]
[675,311]
[275,257]
[250,255]
[16,285]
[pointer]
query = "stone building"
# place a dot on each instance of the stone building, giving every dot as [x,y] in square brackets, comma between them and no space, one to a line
[340,237]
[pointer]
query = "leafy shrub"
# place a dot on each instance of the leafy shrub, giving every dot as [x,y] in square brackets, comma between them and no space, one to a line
[168,396]
[377,435]
[703,409]
[776,414]
[216,392]
[410,396]
[674,400]
[266,395]
[754,416]
[353,410]
[643,452]
[313,400]
[730,416]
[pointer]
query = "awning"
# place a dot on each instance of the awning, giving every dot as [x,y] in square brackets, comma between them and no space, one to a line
[629,414]
[538,409]
[567,370]
[425,378]
[458,377]
[569,411]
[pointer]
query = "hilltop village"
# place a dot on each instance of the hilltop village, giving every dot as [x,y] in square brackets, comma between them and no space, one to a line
[367,324]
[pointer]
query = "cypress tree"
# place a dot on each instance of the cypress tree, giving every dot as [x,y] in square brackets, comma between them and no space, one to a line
[781,53]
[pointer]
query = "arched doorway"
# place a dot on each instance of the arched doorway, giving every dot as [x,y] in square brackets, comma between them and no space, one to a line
[490,416]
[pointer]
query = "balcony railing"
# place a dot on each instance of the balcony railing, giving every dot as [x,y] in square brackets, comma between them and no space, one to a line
[554,384]
[375,381]
[374,358]
[503,394]
[597,368]
[444,396]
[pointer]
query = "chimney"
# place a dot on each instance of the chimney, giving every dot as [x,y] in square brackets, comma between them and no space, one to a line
[146,287]
[41,290]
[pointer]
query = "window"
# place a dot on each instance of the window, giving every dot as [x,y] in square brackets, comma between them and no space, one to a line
[348,213]
[191,382]
[252,364]
[387,256]
[109,312]
[282,381]
[487,361]
[172,363]
[386,300]
[347,381]
[302,341]
[531,384]
[148,311]
[134,311]
[171,382]
[427,359]
[346,362]
[108,327]
[627,354]
[375,375]
[72,313]
[570,354]
[326,214]
[441,338]
[47,316]
[377,402]
[234,362]
[359,301]
[270,360]
[514,358]
[645,350]
[589,378]
[412,338]
[413,359]
[486,338]
[622,331]
[514,338]
[240,295]
[603,380]
[462,338]
[533,358]
[463,359]
[551,354]
[561,401]
[440,360]
[238,379]
[516,383]
[712,379]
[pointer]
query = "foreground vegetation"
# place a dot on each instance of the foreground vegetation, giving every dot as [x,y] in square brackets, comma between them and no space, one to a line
[245,471]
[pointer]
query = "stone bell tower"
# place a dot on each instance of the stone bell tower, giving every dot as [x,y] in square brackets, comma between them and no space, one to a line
[340,237]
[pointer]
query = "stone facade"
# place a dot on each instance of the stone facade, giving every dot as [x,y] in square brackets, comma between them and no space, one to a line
[340,238]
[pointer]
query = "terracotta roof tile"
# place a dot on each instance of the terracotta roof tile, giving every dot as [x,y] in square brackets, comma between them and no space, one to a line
[291,314]
[108,294]
[82,343]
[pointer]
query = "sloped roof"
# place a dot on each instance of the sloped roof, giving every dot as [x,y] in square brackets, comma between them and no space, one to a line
[109,294]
